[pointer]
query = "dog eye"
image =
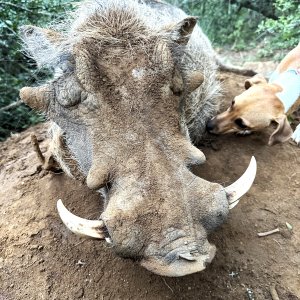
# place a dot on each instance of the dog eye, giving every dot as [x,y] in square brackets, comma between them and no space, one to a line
[232,103]
[239,122]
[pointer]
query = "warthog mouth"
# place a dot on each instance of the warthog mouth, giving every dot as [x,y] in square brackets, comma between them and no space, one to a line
[184,258]
[184,264]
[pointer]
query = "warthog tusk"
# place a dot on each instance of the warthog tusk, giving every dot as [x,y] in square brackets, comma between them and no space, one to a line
[187,256]
[236,190]
[91,228]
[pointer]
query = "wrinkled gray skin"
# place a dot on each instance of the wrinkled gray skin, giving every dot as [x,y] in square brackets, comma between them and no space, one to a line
[125,103]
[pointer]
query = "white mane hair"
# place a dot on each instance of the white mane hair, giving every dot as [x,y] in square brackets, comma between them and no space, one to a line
[154,20]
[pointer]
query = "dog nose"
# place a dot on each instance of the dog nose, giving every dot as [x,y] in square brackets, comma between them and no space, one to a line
[210,125]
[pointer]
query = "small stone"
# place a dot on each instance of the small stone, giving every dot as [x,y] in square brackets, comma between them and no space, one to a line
[80,263]
[233,274]
[289,226]
[241,251]
[33,247]
[215,146]
[79,293]
[250,294]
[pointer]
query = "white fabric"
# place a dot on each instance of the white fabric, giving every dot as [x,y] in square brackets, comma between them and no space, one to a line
[290,82]
[296,135]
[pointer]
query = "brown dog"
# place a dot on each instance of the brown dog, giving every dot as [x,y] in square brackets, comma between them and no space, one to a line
[265,102]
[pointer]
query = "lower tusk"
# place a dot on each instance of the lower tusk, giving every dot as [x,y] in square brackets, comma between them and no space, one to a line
[232,205]
[91,228]
[108,240]
[236,190]
[187,256]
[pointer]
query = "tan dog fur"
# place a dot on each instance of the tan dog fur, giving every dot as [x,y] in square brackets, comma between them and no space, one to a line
[258,106]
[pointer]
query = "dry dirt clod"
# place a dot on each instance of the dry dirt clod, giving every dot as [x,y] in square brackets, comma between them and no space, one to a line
[215,146]
[33,247]
[79,293]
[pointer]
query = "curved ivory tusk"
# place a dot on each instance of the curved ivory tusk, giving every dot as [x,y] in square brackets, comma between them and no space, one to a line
[91,228]
[187,256]
[236,190]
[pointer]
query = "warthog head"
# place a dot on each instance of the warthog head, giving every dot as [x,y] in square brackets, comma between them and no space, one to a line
[118,95]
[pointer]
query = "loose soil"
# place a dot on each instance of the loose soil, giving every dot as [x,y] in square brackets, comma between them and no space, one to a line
[41,259]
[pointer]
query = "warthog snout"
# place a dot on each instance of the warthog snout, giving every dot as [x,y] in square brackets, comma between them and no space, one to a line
[170,236]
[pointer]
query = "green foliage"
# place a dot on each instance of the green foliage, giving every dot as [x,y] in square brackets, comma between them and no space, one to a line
[15,69]
[283,33]
[242,24]
[224,22]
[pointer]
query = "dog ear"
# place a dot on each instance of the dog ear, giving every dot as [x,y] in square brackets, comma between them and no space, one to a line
[283,131]
[257,79]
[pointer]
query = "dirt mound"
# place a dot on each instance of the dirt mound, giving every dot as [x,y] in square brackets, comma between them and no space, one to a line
[41,259]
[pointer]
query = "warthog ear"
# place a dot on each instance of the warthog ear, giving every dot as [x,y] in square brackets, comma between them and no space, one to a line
[283,131]
[37,97]
[41,43]
[182,31]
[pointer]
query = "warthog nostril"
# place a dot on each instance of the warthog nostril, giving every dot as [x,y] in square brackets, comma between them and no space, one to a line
[210,125]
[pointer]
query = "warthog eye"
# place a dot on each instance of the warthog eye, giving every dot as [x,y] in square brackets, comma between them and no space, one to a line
[240,123]
[68,91]
[176,92]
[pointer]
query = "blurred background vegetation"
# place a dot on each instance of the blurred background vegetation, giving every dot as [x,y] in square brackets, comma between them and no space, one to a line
[269,26]
[17,70]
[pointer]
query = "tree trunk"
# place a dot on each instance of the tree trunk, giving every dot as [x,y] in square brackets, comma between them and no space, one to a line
[265,7]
